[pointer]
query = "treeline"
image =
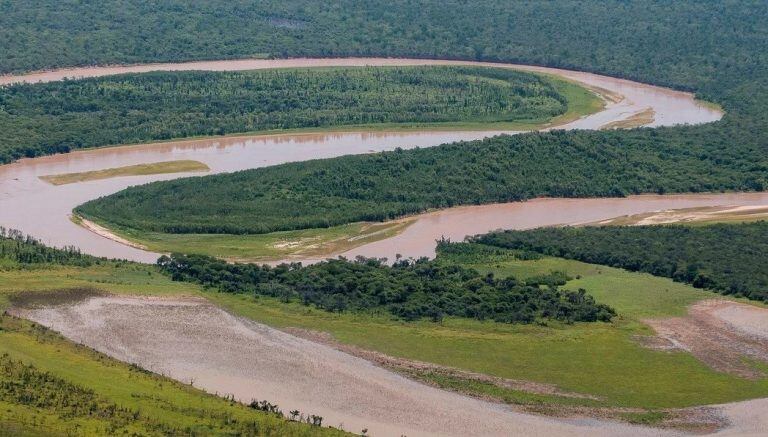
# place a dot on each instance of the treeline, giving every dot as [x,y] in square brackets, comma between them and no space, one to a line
[671,42]
[728,258]
[24,249]
[39,119]
[386,185]
[408,289]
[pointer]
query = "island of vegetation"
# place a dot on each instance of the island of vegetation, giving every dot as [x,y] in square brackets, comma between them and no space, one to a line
[61,116]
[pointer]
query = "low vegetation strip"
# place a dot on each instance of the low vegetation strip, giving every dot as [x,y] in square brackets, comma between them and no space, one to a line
[60,116]
[130,170]
[410,290]
[728,258]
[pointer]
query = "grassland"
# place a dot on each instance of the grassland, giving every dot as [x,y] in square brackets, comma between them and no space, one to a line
[604,360]
[272,246]
[130,170]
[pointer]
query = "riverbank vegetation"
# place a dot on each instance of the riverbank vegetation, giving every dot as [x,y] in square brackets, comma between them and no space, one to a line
[56,117]
[16,247]
[728,258]
[409,289]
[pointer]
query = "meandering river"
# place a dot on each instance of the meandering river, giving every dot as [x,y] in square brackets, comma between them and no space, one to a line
[43,210]
[40,209]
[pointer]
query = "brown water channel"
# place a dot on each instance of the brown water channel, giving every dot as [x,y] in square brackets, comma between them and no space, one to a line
[43,210]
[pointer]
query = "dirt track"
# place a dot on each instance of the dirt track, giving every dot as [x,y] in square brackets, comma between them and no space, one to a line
[192,340]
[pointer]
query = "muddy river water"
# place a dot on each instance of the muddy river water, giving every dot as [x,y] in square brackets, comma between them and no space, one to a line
[43,210]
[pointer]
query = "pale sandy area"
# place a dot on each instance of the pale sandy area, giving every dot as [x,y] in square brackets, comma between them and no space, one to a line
[106,233]
[193,341]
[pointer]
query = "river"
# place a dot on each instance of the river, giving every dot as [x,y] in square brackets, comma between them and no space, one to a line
[43,210]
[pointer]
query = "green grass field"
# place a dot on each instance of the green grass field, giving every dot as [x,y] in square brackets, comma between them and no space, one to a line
[599,359]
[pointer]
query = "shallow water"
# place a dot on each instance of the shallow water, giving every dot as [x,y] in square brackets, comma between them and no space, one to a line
[43,210]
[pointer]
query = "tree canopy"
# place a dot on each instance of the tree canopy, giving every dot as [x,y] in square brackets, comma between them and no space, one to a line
[408,289]
[729,258]
[715,48]
[53,117]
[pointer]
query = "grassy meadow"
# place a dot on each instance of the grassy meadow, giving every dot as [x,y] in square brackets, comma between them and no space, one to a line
[602,360]
[316,242]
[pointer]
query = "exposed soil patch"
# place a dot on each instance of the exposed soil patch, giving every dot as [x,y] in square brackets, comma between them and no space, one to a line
[104,232]
[637,119]
[193,341]
[693,215]
[724,335]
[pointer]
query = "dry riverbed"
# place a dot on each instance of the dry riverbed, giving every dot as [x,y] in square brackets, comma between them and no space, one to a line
[193,341]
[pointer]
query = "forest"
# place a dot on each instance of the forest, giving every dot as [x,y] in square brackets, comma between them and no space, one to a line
[321,193]
[728,258]
[408,289]
[39,119]
[714,48]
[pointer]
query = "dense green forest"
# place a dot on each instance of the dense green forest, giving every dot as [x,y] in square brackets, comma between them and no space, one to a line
[668,42]
[39,119]
[728,258]
[408,289]
[715,48]
[329,192]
